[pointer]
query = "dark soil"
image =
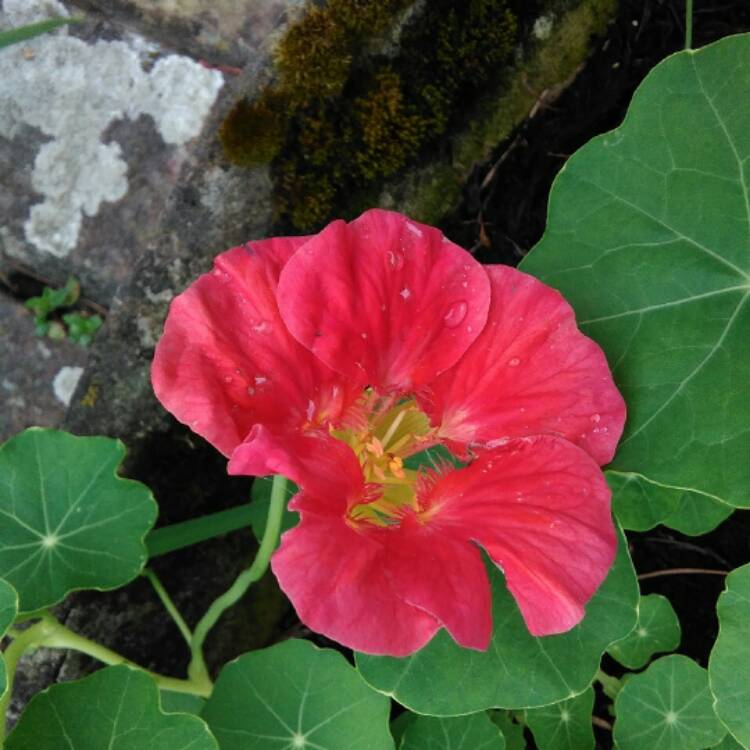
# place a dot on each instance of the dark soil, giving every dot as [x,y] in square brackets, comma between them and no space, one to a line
[503,215]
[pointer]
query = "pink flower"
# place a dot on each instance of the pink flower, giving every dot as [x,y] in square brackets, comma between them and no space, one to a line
[332,358]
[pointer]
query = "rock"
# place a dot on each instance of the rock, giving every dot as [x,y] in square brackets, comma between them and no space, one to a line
[37,375]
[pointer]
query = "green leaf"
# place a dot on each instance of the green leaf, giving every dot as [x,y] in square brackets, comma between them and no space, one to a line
[24,33]
[433,458]
[698,514]
[115,708]
[729,664]
[473,732]
[294,695]
[8,611]
[512,731]
[81,328]
[261,500]
[638,504]
[399,726]
[443,679]
[648,237]
[728,743]
[668,707]
[181,703]
[565,725]
[68,521]
[657,629]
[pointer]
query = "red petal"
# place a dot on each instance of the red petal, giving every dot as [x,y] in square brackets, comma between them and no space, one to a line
[322,466]
[530,372]
[226,360]
[541,508]
[335,578]
[384,300]
[443,576]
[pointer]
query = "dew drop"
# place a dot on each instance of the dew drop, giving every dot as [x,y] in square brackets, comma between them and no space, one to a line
[262,327]
[415,230]
[395,260]
[405,293]
[259,380]
[514,362]
[228,378]
[455,314]
[595,418]
[250,391]
[363,335]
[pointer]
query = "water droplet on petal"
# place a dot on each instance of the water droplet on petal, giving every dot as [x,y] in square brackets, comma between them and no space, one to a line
[595,418]
[250,391]
[395,260]
[415,230]
[514,362]
[262,327]
[259,380]
[228,378]
[363,335]
[455,314]
[405,293]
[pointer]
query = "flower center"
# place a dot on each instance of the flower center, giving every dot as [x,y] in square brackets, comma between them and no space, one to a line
[382,435]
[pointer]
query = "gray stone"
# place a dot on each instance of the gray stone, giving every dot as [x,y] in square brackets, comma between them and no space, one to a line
[37,375]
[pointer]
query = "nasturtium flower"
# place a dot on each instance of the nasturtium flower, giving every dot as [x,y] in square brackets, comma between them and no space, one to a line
[334,357]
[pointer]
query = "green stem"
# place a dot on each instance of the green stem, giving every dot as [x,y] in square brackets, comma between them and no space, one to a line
[12,655]
[243,581]
[688,24]
[610,685]
[169,605]
[50,633]
[179,535]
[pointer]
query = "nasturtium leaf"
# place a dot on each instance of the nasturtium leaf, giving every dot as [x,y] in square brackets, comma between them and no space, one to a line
[260,495]
[8,611]
[697,514]
[68,521]
[295,695]
[115,708]
[728,743]
[565,725]
[181,703]
[517,670]
[668,706]
[400,724]
[512,731]
[472,732]
[657,630]
[729,664]
[638,504]
[648,237]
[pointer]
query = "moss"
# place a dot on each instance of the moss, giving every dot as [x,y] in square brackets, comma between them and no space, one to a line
[253,133]
[340,121]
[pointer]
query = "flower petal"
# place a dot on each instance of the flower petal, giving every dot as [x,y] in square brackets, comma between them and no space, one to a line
[335,578]
[320,465]
[384,300]
[226,360]
[530,372]
[541,509]
[443,576]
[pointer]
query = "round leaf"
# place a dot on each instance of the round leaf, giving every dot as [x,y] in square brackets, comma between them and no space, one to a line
[639,504]
[729,664]
[697,514]
[116,708]
[443,679]
[648,237]
[8,611]
[565,725]
[657,629]
[512,731]
[68,521]
[668,707]
[473,732]
[294,695]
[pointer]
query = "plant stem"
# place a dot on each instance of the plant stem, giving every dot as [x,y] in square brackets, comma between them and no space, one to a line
[50,633]
[179,535]
[610,685]
[243,581]
[682,571]
[688,24]
[169,605]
